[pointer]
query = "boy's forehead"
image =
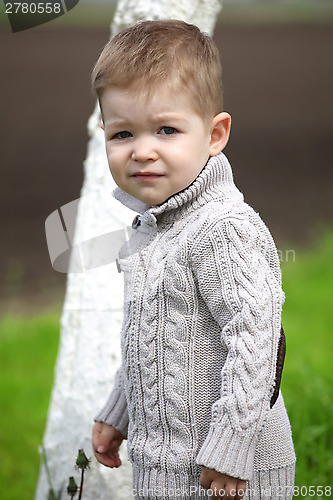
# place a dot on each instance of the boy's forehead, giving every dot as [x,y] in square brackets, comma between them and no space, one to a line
[162,94]
[160,103]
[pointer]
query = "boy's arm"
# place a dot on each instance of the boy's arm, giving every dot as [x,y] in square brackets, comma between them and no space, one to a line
[233,274]
[114,413]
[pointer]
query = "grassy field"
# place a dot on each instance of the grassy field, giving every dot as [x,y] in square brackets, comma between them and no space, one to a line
[28,352]
[28,348]
[308,380]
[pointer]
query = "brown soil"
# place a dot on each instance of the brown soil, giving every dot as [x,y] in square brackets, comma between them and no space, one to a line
[278,83]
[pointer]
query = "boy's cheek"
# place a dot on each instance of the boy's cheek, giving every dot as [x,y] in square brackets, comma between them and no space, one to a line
[111,157]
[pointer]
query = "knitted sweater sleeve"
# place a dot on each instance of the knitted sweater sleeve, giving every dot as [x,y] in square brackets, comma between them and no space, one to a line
[237,271]
[114,411]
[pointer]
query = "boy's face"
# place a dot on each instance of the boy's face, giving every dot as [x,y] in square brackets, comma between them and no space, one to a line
[156,147]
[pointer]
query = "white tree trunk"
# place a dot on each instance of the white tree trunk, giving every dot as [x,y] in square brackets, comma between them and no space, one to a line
[89,352]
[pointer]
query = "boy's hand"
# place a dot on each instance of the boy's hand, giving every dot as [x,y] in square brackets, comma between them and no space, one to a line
[232,487]
[106,441]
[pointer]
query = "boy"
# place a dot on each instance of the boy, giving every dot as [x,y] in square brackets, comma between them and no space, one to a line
[197,395]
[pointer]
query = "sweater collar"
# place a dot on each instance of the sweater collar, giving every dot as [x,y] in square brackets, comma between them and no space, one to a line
[214,181]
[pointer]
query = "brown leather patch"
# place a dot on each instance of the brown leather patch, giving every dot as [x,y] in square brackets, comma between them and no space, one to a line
[279,367]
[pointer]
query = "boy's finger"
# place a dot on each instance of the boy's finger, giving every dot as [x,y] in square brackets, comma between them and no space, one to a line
[96,431]
[241,488]
[205,479]
[217,491]
[235,492]
[104,439]
[113,458]
[108,461]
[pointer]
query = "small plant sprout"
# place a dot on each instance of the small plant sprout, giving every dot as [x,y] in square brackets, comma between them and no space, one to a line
[82,462]
[72,487]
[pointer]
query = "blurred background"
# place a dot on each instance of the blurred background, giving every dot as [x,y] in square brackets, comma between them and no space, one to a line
[277,75]
[278,79]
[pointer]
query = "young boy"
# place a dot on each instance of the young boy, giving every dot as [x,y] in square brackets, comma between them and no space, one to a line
[197,396]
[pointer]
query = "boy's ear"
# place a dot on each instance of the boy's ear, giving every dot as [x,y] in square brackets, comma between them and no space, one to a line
[219,133]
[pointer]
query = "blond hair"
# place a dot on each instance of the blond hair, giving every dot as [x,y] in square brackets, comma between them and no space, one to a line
[154,53]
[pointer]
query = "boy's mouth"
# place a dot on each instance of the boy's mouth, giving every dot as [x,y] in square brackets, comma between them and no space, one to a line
[146,176]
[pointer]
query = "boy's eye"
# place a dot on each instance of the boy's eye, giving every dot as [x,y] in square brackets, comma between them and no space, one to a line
[168,130]
[122,135]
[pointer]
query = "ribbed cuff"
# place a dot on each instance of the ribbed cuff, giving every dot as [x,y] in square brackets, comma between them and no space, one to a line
[115,412]
[228,452]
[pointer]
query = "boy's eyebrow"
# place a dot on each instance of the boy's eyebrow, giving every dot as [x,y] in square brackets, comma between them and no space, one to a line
[158,117]
[116,122]
[168,116]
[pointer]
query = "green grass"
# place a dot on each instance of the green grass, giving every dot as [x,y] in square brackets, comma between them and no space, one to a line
[27,356]
[28,348]
[307,379]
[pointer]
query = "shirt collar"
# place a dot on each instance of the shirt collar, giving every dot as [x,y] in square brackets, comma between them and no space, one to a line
[215,180]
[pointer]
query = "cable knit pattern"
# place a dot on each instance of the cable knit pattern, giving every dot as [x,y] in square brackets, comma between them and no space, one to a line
[203,302]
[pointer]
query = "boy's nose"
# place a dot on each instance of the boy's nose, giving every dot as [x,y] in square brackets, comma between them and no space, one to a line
[144,150]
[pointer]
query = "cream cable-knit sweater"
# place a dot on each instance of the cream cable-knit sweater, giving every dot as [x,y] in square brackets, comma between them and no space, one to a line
[202,319]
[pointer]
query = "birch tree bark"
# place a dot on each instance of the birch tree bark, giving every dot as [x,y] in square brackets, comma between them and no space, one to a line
[89,352]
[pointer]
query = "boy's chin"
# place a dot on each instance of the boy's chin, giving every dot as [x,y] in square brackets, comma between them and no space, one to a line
[152,201]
